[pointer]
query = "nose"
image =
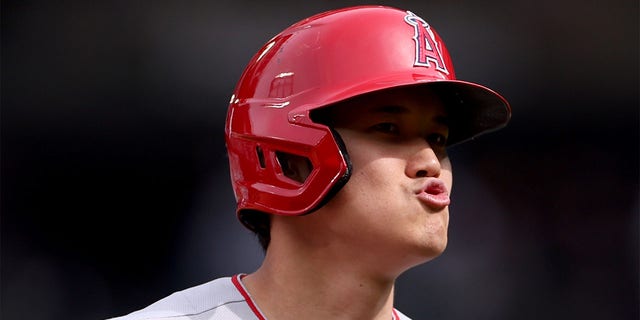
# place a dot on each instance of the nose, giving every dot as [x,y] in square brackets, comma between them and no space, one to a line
[423,162]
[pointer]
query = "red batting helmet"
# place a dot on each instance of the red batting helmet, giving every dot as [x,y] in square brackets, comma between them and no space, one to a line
[322,60]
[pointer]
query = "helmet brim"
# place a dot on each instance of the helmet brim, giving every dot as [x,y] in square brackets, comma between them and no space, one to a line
[472,109]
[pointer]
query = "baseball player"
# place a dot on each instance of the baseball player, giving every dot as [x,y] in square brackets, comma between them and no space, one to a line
[337,136]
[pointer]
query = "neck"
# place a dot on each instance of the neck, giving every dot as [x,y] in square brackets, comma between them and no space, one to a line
[314,285]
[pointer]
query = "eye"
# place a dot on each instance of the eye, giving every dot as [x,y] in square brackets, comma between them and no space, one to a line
[437,140]
[386,127]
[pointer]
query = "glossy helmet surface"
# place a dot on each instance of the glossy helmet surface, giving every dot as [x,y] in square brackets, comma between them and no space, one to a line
[322,60]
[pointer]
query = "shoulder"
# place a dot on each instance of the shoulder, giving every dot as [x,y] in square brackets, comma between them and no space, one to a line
[215,300]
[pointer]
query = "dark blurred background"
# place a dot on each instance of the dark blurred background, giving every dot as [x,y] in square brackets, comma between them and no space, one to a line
[115,190]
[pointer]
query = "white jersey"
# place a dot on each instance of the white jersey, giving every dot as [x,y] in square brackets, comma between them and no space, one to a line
[220,299]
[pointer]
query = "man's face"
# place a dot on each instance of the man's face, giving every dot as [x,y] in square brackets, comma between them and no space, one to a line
[394,208]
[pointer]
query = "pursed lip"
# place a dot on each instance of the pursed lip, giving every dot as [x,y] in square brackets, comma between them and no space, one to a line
[434,193]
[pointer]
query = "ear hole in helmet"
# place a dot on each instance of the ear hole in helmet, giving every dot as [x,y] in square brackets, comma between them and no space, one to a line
[294,167]
[260,157]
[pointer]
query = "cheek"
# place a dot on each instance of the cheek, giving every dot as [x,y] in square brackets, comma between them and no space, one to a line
[447,172]
[371,177]
[374,174]
[375,189]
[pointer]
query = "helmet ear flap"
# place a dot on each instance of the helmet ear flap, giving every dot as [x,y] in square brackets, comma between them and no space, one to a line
[296,168]
[282,167]
[345,177]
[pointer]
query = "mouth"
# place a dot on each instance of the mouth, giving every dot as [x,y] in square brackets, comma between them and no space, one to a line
[434,194]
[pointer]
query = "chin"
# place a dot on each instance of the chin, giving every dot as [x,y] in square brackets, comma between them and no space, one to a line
[434,249]
[423,256]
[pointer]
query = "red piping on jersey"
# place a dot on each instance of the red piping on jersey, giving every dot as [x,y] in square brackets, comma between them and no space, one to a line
[236,282]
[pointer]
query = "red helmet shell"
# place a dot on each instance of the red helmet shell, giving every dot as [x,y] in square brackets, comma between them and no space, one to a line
[322,60]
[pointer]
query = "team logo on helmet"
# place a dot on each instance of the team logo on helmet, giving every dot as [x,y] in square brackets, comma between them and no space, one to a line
[428,49]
